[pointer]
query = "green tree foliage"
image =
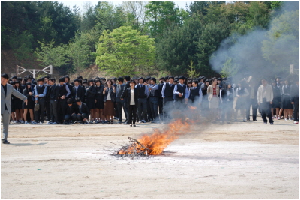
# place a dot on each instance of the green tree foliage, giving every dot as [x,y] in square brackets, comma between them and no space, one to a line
[163,14]
[282,44]
[125,51]
[48,54]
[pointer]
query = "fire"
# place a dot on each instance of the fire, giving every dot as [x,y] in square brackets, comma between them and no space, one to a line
[193,107]
[155,144]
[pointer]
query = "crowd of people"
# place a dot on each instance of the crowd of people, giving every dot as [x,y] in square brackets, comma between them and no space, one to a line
[143,100]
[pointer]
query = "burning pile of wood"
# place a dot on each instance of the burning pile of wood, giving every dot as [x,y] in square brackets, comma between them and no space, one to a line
[155,143]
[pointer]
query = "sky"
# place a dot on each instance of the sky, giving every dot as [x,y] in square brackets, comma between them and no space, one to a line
[80,4]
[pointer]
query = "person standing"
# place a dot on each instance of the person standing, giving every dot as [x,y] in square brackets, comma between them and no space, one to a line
[61,102]
[77,91]
[153,98]
[142,100]
[167,93]
[29,93]
[160,99]
[18,104]
[242,101]
[6,91]
[53,96]
[264,100]
[213,91]
[181,91]
[40,94]
[131,94]
[226,96]
[109,93]
[295,101]
[120,102]
[91,100]
[99,102]
[286,105]
[276,102]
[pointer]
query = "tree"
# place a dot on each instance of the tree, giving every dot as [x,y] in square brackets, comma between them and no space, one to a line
[282,44]
[125,51]
[50,55]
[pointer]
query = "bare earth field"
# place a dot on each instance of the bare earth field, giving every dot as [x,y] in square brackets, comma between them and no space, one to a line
[240,160]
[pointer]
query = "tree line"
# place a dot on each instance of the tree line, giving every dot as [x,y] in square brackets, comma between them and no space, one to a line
[136,37]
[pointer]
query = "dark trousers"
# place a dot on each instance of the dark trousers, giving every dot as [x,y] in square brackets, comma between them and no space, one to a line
[125,107]
[167,105]
[142,108]
[266,111]
[253,103]
[160,106]
[39,115]
[61,108]
[47,107]
[72,117]
[53,110]
[120,104]
[149,113]
[296,109]
[132,114]
[154,106]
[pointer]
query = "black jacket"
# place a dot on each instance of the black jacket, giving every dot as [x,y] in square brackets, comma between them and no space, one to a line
[127,94]
[53,92]
[80,92]
[294,93]
[91,92]
[83,109]
[71,109]
[112,95]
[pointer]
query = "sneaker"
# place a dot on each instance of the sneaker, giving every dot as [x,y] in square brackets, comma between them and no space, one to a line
[271,123]
[34,122]
[85,122]
[285,119]
[5,142]
[26,122]
[22,122]
[134,125]
[130,125]
[278,118]
[91,122]
[265,122]
[291,119]
[54,123]
[49,122]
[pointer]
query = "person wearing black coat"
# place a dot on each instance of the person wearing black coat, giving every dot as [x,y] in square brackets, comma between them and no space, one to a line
[120,102]
[70,112]
[29,93]
[82,112]
[18,103]
[77,91]
[131,94]
[109,93]
[91,99]
[52,92]
[99,101]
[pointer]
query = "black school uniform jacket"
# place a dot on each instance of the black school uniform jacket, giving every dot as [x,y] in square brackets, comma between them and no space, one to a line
[80,93]
[127,94]
[83,109]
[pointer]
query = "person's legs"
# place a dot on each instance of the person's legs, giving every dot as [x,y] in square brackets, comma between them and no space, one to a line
[25,114]
[42,109]
[134,114]
[296,110]
[130,112]
[5,120]
[119,109]
[254,109]
[31,114]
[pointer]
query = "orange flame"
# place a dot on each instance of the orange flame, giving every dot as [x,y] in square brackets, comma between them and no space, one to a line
[193,107]
[155,144]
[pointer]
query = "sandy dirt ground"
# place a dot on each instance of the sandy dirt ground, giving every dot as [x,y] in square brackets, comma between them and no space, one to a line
[240,160]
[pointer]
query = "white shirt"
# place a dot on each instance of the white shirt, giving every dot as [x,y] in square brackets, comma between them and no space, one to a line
[108,94]
[132,98]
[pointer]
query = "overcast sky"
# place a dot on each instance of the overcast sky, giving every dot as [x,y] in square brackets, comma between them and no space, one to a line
[80,4]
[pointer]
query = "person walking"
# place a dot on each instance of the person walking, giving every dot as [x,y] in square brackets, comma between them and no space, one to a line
[6,91]
[264,100]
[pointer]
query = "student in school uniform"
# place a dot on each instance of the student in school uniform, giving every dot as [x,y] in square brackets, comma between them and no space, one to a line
[120,102]
[160,99]
[78,91]
[40,94]
[264,100]
[181,91]
[29,93]
[71,112]
[63,93]
[294,92]
[99,102]
[53,99]
[131,95]
[82,114]
[153,98]
[109,93]
[18,104]
[286,105]
[91,100]
[142,100]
